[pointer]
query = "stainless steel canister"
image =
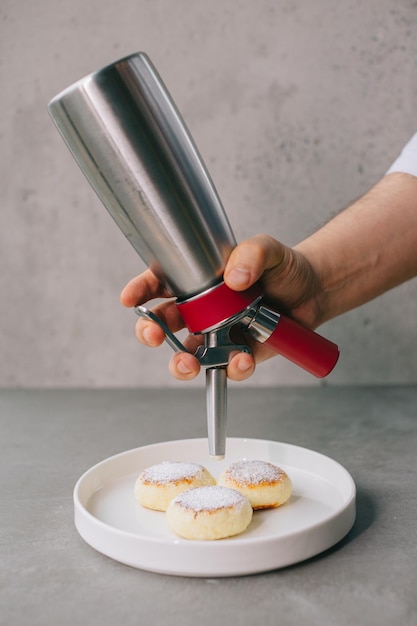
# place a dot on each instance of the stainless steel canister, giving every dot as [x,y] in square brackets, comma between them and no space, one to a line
[129,139]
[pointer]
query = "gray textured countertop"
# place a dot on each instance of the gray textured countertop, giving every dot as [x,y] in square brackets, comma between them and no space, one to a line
[50,576]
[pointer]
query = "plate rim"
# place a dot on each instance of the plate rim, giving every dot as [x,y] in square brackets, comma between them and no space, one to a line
[82,516]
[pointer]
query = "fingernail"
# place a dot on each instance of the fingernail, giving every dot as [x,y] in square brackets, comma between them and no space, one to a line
[243,365]
[146,335]
[182,368]
[238,276]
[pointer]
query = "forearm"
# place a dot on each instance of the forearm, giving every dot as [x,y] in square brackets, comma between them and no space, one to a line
[367,249]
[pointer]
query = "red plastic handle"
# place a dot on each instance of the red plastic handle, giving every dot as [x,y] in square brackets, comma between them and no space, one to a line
[303,347]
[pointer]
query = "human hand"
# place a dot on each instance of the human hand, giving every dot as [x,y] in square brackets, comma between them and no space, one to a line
[289,284]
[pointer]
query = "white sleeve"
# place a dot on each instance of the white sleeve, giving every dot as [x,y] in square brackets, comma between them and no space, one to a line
[407,161]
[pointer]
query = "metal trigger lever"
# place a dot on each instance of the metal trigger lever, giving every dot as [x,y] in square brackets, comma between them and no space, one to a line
[170,338]
[209,356]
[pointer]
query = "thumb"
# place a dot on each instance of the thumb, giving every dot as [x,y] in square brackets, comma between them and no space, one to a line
[250,259]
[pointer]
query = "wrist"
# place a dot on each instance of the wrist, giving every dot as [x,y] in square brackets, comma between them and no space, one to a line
[317,307]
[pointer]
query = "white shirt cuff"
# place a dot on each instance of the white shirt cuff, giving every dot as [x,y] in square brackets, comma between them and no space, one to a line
[407,161]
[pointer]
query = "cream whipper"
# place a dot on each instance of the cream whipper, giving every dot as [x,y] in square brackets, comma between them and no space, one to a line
[128,137]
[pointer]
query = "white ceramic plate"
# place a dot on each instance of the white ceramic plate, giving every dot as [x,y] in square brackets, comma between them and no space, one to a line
[320,512]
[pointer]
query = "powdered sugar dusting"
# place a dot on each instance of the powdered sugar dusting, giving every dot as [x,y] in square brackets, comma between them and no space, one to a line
[210,498]
[170,472]
[254,472]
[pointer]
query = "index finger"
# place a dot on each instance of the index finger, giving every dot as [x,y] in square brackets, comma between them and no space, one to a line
[143,288]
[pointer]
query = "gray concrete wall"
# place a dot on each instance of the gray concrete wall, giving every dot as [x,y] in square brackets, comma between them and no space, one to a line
[297,107]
